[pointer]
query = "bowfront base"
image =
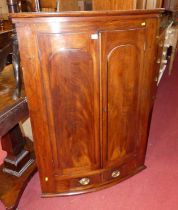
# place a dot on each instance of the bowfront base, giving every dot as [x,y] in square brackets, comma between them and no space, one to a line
[97,187]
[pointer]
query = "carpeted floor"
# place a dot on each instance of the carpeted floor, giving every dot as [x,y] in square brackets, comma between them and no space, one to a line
[156,188]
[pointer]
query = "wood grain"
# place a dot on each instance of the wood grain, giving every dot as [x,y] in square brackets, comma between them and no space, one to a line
[120,13]
[7,85]
[159,4]
[124,53]
[11,113]
[69,5]
[114,4]
[89,79]
[11,187]
[65,5]
[141,4]
[73,99]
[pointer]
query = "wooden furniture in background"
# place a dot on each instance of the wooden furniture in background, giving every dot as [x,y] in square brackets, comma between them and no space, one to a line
[63,6]
[141,4]
[168,44]
[19,149]
[51,5]
[172,41]
[69,5]
[5,47]
[114,4]
[7,25]
[90,83]
[14,7]
[149,4]
[171,5]
[72,5]
[172,36]
[159,3]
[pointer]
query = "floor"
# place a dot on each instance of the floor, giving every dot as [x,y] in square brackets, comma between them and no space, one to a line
[156,188]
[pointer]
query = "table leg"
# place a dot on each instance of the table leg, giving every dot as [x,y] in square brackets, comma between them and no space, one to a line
[18,159]
[19,166]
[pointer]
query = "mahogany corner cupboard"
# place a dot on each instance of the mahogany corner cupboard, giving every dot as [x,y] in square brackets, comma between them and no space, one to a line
[90,83]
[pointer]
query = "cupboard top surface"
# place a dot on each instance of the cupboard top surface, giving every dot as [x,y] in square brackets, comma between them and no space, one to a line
[87,13]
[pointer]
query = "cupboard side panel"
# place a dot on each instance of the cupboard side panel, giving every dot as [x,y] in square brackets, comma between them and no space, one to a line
[27,38]
[148,84]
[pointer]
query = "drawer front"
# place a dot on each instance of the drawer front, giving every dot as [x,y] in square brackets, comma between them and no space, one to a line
[77,184]
[120,172]
[103,178]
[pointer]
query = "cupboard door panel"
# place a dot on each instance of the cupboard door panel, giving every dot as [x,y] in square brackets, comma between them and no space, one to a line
[71,84]
[122,102]
[122,63]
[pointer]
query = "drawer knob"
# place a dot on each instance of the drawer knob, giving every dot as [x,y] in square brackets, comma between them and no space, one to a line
[84,181]
[115,173]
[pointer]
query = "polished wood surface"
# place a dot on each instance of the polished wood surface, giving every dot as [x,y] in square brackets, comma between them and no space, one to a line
[89,80]
[73,5]
[144,4]
[19,149]
[64,5]
[141,4]
[122,14]
[171,5]
[122,62]
[5,47]
[5,36]
[114,4]
[7,84]
[11,187]
[159,3]
[69,5]
[11,111]
[73,100]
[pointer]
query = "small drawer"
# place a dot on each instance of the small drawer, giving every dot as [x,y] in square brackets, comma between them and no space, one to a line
[119,172]
[114,173]
[77,184]
[85,181]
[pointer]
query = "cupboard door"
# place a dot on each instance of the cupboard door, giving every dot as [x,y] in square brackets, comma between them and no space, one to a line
[122,60]
[71,89]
